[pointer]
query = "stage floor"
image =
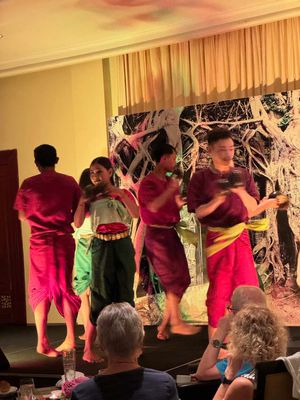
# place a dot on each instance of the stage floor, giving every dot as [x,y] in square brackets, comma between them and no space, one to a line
[174,356]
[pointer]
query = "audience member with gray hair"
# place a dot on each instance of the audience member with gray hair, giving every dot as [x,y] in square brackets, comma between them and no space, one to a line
[120,335]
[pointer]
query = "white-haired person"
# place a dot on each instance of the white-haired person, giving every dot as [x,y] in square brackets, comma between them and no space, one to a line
[256,335]
[120,335]
[213,362]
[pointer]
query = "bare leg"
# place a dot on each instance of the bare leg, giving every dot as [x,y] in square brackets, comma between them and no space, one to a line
[85,311]
[69,342]
[177,325]
[89,353]
[163,329]
[41,315]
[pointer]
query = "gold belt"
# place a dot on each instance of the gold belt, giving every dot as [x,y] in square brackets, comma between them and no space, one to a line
[111,236]
[162,226]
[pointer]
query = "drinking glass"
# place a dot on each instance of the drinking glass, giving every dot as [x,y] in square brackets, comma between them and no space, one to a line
[69,362]
[26,389]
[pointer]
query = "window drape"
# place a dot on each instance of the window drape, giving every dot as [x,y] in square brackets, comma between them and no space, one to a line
[251,61]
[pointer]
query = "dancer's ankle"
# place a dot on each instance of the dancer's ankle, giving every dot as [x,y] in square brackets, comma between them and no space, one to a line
[47,351]
[183,328]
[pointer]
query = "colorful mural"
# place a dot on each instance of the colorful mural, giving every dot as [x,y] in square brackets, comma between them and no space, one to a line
[266,131]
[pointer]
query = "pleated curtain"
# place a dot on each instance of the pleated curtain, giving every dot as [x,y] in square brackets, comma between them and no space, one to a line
[251,61]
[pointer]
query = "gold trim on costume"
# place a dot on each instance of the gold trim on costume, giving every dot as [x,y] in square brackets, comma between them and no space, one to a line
[111,236]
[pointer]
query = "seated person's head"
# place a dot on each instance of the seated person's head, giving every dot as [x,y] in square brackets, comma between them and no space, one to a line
[244,295]
[120,331]
[256,335]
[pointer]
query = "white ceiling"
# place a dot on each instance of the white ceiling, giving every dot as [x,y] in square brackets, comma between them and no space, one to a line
[42,33]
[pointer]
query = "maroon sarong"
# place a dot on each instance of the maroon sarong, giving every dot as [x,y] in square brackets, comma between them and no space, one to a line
[51,265]
[167,257]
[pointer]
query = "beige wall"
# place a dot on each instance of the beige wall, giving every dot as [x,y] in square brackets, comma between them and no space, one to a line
[64,107]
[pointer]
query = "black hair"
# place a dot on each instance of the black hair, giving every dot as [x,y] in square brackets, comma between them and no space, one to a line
[45,155]
[85,179]
[162,150]
[106,163]
[218,134]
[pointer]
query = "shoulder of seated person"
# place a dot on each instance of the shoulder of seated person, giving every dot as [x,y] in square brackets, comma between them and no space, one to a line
[155,373]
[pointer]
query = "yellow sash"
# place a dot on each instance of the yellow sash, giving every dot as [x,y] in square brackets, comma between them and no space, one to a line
[229,235]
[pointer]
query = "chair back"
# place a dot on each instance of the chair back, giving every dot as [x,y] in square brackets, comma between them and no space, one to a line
[273,381]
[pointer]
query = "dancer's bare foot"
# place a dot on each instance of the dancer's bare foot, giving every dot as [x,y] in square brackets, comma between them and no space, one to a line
[163,333]
[91,357]
[48,351]
[185,329]
[82,337]
[66,345]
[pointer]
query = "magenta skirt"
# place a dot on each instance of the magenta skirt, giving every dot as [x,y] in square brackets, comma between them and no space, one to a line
[51,266]
[229,268]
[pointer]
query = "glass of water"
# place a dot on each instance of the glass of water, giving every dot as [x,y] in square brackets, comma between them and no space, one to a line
[69,362]
[26,391]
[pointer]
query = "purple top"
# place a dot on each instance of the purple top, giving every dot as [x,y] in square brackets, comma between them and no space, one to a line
[49,201]
[202,188]
[151,187]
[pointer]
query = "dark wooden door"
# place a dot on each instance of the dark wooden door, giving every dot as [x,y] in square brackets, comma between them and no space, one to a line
[12,286]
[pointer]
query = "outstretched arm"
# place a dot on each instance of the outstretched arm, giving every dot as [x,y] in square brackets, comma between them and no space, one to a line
[263,205]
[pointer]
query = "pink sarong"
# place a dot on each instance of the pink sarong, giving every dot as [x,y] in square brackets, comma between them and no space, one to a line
[51,265]
[227,269]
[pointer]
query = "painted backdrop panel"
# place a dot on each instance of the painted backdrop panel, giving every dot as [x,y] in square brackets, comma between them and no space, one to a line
[266,131]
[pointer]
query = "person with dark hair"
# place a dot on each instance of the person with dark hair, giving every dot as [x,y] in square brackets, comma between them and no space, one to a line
[218,134]
[48,202]
[83,258]
[160,203]
[113,266]
[45,155]
[223,197]
[161,150]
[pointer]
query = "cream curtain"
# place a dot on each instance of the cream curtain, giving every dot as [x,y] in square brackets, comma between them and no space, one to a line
[257,60]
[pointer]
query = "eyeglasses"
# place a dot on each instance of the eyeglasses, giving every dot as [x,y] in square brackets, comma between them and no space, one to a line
[231,309]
